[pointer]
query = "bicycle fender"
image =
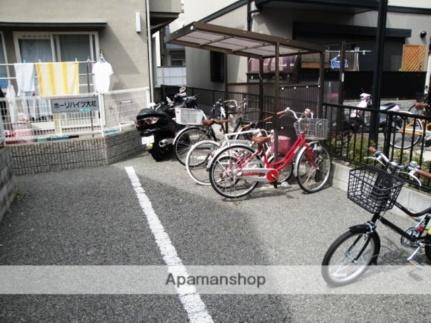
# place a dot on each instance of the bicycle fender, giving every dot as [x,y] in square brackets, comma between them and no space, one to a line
[222,149]
[361,228]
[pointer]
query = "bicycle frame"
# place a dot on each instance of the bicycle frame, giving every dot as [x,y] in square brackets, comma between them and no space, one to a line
[273,169]
[397,229]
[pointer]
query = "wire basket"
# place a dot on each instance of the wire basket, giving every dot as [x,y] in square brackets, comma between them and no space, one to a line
[186,116]
[373,189]
[313,128]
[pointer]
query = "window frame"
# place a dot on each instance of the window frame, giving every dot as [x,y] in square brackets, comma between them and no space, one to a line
[53,36]
[6,61]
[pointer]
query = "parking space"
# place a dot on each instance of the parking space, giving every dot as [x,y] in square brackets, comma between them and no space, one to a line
[95,217]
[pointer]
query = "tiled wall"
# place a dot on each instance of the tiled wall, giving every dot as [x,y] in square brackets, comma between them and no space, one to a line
[76,153]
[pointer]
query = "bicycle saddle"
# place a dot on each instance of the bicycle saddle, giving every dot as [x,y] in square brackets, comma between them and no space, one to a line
[260,139]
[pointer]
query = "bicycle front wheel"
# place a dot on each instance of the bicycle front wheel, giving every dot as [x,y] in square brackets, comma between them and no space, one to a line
[186,139]
[313,168]
[349,256]
[227,171]
[198,159]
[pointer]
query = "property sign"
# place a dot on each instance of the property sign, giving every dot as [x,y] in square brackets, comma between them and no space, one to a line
[75,104]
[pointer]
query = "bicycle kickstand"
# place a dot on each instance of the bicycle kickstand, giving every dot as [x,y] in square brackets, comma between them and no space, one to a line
[410,259]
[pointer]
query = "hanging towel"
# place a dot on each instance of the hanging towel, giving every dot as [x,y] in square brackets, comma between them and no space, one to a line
[102,76]
[11,100]
[58,78]
[24,73]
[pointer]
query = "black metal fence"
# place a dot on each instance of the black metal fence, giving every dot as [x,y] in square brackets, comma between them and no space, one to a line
[298,97]
[403,136]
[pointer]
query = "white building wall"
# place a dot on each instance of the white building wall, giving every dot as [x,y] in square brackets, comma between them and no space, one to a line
[280,23]
[411,3]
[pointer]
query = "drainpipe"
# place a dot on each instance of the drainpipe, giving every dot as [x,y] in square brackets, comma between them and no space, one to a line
[150,49]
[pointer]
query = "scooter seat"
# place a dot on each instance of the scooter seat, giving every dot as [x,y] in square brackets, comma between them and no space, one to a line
[146,113]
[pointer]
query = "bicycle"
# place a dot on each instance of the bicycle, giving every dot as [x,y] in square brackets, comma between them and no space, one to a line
[376,190]
[236,170]
[192,134]
[201,154]
[411,129]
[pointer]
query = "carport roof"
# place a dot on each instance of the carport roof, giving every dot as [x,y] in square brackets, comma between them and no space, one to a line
[238,42]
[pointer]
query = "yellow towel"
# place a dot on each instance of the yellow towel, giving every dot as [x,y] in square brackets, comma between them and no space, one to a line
[58,78]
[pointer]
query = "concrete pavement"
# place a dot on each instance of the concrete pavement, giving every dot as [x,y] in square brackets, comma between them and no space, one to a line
[92,217]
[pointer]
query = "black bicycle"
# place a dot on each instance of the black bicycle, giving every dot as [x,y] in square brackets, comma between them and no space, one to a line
[376,190]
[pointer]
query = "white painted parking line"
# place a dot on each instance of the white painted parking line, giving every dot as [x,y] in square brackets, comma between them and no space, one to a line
[189,297]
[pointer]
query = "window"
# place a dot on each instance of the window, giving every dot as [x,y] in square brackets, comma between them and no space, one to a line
[55,47]
[178,58]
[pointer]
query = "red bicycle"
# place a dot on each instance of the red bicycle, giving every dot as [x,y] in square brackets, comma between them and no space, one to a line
[236,170]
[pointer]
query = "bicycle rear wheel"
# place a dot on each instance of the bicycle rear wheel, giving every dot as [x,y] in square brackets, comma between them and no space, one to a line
[406,131]
[198,159]
[313,168]
[349,256]
[186,139]
[226,171]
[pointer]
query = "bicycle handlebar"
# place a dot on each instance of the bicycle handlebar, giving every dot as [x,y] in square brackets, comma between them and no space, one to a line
[413,168]
[423,173]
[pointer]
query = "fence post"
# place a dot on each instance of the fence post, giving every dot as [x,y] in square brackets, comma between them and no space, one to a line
[387,133]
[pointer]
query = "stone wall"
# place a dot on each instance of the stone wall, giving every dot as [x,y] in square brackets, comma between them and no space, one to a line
[7,182]
[76,153]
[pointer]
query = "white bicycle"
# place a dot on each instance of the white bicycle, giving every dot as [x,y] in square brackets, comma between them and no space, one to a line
[200,155]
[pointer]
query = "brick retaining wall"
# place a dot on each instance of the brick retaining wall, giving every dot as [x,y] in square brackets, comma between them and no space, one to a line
[7,182]
[75,153]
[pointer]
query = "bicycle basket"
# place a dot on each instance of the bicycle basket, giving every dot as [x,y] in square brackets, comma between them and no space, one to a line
[186,116]
[373,188]
[313,128]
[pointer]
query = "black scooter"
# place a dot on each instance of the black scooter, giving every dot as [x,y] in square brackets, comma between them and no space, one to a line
[157,126]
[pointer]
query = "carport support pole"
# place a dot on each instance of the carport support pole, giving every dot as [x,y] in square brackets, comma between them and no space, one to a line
[277,97]
[260,88]
[277,76]
[321,84]
[378,69]
[226,88]
[341,86]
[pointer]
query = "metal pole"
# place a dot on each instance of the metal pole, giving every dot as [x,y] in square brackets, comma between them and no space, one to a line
[341,86]
[341,73]
[321,84]
[277,75]
[277,97]
[378,69]
[249,21]
[226,88]
[150,49]
[260,88]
